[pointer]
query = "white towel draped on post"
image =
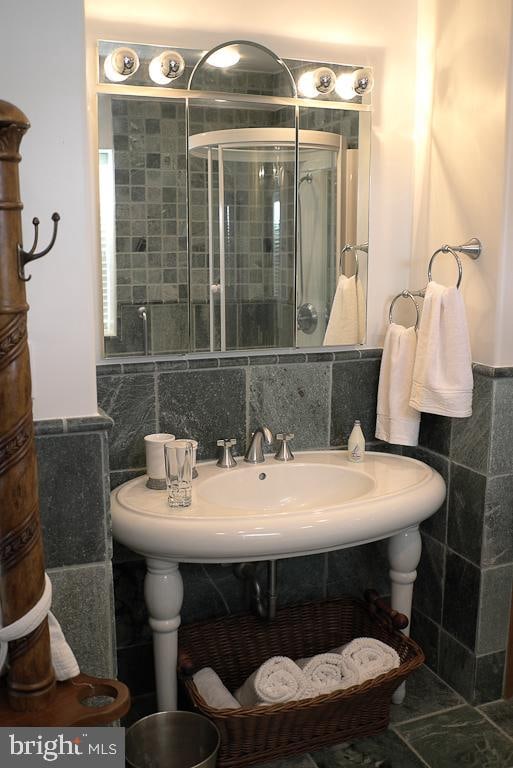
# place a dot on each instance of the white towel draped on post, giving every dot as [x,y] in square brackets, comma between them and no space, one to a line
[442,375]
[346,324]
[397,422]
[64,662]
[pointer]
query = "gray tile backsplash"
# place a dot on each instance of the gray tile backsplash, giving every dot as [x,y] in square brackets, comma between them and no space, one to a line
[470,439]
[73,468]
[130,401]
[204,405]
[292,398]
[353,382]
[83,603]
[467,648]
[73,506]
[467,504]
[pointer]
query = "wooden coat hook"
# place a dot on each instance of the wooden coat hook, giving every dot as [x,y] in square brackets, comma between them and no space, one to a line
[29,693]
[24,257]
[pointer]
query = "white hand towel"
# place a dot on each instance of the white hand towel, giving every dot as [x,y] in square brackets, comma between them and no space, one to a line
[63,660]
[327,672]
[276,681]
[346,324]
[397,422]
[212,689]
[442,375]
[366,657]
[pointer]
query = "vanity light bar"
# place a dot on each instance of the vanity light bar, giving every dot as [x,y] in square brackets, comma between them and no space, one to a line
[160,67]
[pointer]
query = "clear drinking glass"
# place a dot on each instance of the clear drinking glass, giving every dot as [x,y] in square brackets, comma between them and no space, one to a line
[179,455]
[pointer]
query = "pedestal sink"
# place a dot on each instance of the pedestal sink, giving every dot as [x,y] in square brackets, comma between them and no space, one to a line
[317,503]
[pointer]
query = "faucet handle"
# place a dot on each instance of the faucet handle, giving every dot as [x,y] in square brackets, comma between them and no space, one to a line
[227,461]
[284,453]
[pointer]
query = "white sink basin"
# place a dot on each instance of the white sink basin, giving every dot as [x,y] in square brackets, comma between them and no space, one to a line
[318,502]
[276,488]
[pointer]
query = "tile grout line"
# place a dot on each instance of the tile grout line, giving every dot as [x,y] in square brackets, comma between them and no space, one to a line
[157,402]
[411,749]
[495,725]
[330,395]
[430,714]
[448,684]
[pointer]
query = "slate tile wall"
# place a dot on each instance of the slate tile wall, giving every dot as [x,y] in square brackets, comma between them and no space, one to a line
[317,396]
[463,591]
[73,467]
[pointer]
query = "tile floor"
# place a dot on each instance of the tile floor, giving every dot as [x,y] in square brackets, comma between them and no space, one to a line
[434,727]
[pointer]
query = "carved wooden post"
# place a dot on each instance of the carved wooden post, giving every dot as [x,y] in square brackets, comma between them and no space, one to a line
[31,683]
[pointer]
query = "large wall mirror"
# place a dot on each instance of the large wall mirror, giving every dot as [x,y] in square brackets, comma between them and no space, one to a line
[233,200]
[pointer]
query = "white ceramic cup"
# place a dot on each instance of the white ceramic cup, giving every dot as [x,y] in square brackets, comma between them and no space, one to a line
[155,464]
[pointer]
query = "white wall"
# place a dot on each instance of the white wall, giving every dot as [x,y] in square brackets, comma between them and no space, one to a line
[43,74]
[376,33]
[42,45]
[461,183]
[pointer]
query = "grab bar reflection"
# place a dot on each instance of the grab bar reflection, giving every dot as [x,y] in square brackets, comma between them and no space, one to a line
[144,317]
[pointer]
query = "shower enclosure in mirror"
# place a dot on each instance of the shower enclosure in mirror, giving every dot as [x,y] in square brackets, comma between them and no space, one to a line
[233,200]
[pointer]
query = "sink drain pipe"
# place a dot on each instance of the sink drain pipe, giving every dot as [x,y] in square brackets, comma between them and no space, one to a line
[263,606]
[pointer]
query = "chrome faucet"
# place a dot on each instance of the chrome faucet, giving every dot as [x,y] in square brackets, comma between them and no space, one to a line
[255,452]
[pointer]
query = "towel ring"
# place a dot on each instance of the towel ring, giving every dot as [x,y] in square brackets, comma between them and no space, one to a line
[364,247]
[404,295]
[446,249]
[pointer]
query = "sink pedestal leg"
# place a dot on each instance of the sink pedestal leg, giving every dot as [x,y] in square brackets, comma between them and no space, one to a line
[404,551]
[163,591]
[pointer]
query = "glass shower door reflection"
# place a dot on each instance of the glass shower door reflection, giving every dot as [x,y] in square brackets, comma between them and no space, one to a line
[249,242]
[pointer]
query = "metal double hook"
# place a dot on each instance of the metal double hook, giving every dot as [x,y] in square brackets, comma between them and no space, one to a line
[24,257]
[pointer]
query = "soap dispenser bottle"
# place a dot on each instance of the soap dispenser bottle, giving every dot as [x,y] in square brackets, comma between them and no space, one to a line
[356,444]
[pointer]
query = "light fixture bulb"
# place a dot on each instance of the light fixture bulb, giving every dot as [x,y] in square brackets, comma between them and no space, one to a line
[356,83]
[306,85]
[121,64]
[345,86]
[324,80]
[166,67]
[317,81]
[224,58]
[363,80]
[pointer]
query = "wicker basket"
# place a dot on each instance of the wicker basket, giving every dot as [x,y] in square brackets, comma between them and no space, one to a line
[234,647]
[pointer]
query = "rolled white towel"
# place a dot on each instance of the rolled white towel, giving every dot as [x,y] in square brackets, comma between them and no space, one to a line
[213,690]
[327,672]
[366,657]
[276,681]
